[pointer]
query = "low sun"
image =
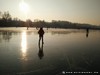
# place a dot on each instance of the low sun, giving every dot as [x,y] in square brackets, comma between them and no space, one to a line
[24,7]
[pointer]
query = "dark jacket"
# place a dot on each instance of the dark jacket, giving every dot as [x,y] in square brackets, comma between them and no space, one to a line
[41,32]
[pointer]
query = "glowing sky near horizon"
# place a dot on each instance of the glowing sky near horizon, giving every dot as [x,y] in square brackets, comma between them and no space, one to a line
[81,11]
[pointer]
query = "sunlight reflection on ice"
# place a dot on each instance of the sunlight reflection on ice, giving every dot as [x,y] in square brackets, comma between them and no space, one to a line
[24,45]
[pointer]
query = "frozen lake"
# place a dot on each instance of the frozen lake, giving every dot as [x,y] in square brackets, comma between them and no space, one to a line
[64,50]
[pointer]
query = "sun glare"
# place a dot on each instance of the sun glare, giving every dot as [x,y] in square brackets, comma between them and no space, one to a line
[24,7]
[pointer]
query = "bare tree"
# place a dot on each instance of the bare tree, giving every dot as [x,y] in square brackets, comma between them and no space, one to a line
[6,16]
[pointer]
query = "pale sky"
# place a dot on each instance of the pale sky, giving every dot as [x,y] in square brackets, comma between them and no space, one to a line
[81,11]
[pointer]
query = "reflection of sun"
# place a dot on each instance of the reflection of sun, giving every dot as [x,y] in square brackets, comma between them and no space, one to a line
[24,7]
[24,45]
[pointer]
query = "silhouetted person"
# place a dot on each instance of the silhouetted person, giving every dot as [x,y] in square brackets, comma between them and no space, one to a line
[47,28]
[41,33]
[87,32]
[27,27]
[27,23]
[40,53]
[36,28]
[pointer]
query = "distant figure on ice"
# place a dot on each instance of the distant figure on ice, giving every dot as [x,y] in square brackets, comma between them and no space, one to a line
[87,32]
[41,33]
[27,24]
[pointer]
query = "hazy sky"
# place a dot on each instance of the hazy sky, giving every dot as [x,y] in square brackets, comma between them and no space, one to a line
[82,11]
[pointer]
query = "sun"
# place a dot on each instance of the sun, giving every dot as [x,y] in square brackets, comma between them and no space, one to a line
[24,7]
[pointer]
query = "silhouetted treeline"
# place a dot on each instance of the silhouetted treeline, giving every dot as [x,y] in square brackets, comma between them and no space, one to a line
[6,20]
[63,24]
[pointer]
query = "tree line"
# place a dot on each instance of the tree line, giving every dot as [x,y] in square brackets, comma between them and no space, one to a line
[6,20]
